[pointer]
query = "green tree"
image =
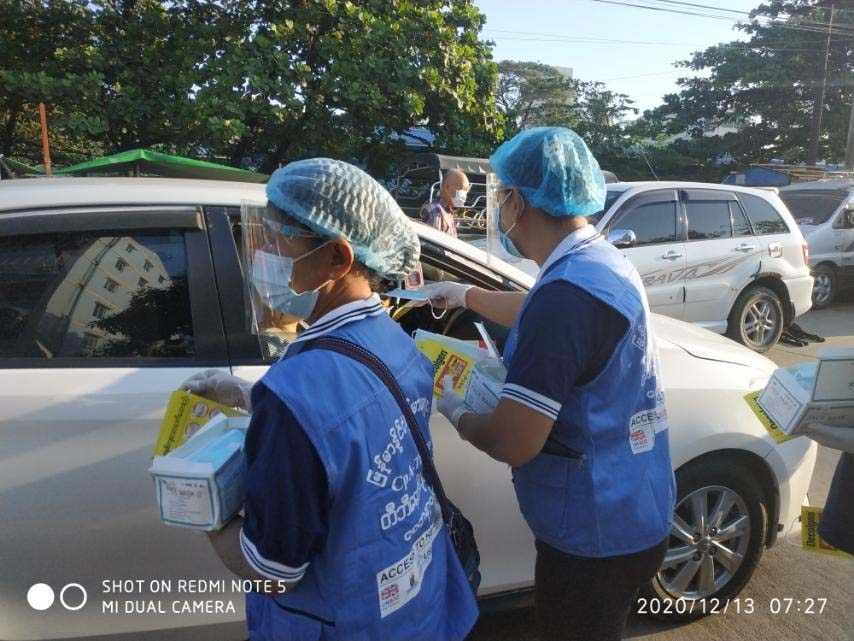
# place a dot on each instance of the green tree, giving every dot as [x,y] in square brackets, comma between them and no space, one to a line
[766,87]
[531,94]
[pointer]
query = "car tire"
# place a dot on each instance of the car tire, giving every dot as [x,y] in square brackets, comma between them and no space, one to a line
[756,320]
[700,484]
[824,289]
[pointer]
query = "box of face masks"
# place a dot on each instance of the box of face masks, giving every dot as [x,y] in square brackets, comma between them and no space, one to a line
[200,484]
[820,392]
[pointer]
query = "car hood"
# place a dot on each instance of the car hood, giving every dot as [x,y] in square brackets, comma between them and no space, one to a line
[701,343]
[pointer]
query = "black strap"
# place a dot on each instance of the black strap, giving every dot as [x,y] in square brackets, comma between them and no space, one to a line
[366,358]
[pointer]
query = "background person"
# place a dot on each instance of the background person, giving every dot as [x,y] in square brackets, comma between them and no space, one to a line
[581,418]
[439,213]
[361,556]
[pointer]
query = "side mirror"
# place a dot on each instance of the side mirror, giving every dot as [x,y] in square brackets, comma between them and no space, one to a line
[849,215]
[622,238]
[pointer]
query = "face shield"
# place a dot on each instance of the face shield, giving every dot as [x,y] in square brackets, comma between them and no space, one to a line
[272,244]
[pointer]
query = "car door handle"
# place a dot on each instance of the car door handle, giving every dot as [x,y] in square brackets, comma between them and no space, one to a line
[672,255]
[744,247]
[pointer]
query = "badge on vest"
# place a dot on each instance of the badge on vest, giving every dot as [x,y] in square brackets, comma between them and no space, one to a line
[401,582]
[643,426]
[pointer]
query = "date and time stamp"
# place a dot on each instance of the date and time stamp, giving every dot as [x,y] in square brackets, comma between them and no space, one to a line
[739,605]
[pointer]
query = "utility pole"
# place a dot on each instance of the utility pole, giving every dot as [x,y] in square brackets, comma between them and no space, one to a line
[818,105]
[849,149]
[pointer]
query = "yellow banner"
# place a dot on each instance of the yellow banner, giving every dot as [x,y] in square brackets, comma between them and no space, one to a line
[185,415]
[774,430]
[810,539]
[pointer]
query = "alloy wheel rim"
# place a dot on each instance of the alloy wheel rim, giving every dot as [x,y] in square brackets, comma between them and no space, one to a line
[821,288]
[708,543]
[759,323]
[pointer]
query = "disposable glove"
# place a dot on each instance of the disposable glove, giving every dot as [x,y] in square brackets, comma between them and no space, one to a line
[451,405]
[447,294]
[837,438]
[220,387]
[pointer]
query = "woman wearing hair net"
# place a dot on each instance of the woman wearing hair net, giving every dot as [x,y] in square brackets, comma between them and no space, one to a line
[338,515]
[581,419]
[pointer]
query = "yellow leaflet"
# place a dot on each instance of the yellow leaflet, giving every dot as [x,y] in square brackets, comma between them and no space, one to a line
[185,415]
[810,539]
[447,362]
[774,430]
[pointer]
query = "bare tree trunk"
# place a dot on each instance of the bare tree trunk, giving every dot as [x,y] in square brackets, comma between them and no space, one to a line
[9,132]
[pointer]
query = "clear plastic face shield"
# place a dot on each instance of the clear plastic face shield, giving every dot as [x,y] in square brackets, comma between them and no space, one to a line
[271,245]
[496,196]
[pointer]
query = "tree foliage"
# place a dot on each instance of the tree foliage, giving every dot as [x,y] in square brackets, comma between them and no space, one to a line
[257,82]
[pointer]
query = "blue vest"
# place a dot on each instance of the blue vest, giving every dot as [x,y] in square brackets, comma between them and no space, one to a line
[388,569]
[617,496]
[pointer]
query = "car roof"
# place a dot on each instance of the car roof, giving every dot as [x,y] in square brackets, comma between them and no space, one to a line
[842,183]
[41,193]
[50,193]
[679,184]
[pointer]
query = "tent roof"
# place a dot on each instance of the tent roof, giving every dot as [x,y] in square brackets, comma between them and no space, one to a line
[155,162]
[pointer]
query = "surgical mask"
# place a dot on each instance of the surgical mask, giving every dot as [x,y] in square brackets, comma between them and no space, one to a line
[460,197]
[506,243]
[271,278]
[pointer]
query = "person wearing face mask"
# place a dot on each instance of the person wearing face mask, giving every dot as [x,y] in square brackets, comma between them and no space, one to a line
[338,515]
[581,417]
[452,195]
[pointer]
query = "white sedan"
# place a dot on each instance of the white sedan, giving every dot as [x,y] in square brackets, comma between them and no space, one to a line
[113,291]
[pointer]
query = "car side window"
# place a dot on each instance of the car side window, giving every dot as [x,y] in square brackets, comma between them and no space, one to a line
[652,222]
[93,295]
[764,218]
[740,224]
[708,220]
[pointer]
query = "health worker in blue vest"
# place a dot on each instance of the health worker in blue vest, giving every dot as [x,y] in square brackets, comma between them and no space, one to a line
[338,516]
[581,417]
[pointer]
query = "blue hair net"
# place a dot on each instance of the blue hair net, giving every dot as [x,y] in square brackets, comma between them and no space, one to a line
[553,169]
[339,200]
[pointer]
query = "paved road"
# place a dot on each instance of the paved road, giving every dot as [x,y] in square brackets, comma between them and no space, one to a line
[785,571]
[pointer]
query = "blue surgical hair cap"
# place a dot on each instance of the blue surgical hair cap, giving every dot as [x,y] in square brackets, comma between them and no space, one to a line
[339,200]
[553,169]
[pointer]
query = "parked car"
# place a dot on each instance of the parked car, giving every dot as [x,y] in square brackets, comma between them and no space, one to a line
[730,259]
[824,210]
[119,289]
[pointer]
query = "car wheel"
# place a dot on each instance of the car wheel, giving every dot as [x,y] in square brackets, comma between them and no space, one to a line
[756,320]
[824,288]
[718,536]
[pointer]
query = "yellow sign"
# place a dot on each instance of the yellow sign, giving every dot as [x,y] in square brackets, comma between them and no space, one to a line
[185,415]
[810,539]
[774,430]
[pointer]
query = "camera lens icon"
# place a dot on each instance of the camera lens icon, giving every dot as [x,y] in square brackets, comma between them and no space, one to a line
[41,596]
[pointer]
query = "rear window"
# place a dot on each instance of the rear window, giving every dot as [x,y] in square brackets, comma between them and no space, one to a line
[610,199]
[813,206]
[708,220]
[763,216]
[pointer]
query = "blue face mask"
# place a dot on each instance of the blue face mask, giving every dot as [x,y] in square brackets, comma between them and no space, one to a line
[271,278]
[506,243]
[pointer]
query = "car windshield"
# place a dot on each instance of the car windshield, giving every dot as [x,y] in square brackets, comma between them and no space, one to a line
[813,206]
[610,199]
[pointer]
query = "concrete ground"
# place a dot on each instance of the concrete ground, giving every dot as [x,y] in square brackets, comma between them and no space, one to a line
[785,572]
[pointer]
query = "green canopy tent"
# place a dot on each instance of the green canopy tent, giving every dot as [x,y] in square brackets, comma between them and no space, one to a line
[12,168]
[137,162]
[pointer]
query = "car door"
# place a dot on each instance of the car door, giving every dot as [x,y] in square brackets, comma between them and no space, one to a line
[658,252]
[723,254]
[480,486]
[105,311]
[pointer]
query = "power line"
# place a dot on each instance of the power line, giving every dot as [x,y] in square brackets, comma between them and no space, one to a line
[805,26]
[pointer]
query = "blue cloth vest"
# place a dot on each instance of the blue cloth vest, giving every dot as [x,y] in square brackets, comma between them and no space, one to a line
[388,569]
[617,496]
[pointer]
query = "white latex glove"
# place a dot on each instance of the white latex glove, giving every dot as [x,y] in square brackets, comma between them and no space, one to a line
[447,294]
[837,438]
[451,405]
[220,387]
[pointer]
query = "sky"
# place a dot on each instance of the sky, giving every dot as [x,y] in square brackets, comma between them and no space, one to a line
[644,72]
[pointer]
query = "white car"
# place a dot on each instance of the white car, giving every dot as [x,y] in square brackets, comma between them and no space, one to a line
[824,209]
[113,291]
[730,259]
